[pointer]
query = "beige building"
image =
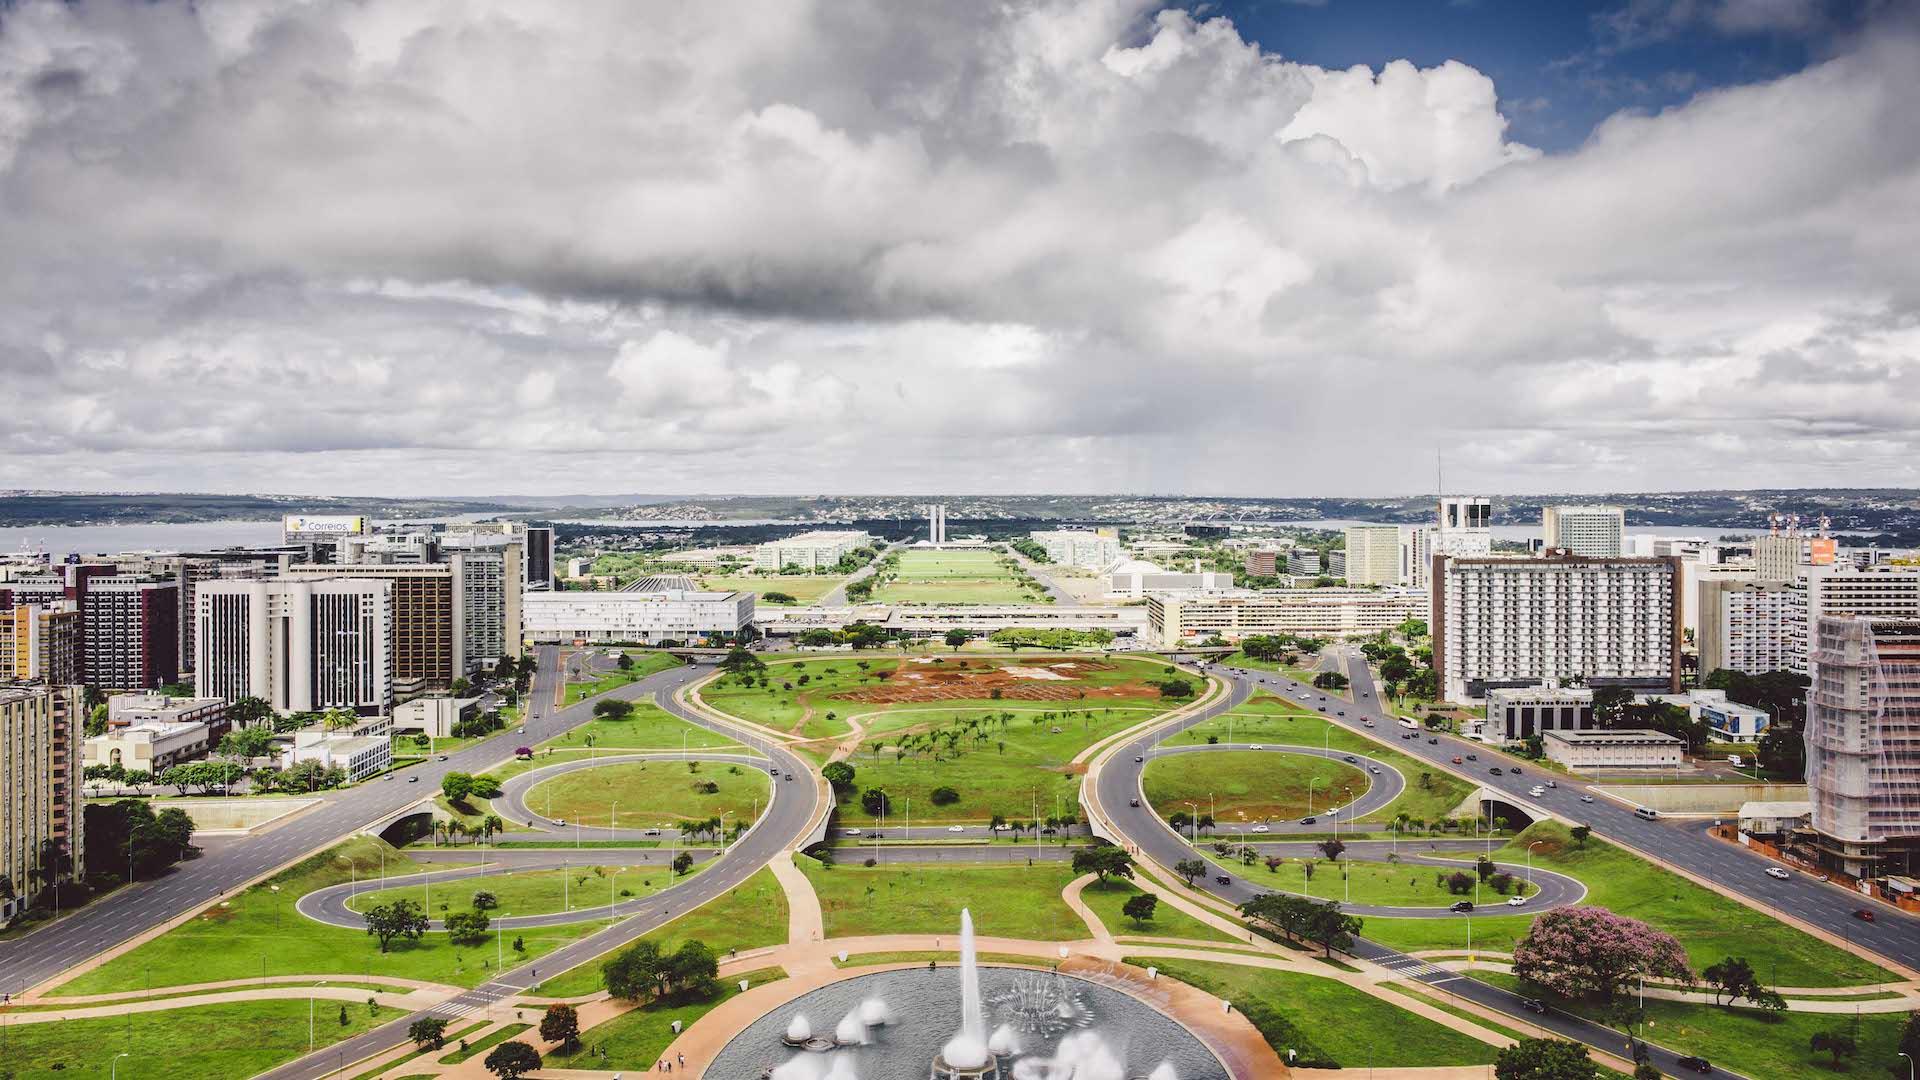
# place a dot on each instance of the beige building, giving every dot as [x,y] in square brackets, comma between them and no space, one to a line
[149,746]
[1622,748]
[1591,532]
[1747,625]
[41,643]
[1863,745]
[40,779]
[1175,617]
[1373,554]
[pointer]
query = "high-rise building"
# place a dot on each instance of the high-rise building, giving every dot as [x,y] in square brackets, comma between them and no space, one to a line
[41,643]
[429,619]
[809,551]
[1416,555]
[1082,548]
[1839,589]
[937,523]
[1373,555]
[1591,532]
[1863,744]
[539,558]
[42,830]
[1746,625]
[1261,563]
[489,572]
[1465,515]
[300,645]
[131,632]
[1526,622]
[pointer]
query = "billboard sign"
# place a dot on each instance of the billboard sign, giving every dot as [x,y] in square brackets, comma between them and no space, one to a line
[322,526]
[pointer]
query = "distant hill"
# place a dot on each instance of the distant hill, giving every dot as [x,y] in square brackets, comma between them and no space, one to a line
[43,509]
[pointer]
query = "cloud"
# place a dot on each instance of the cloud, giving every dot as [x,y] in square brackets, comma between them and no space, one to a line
[1057,245]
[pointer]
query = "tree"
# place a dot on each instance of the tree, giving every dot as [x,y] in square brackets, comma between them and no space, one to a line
[1333,929]
[1582,951]
[625,663]
[485,787]
[839,774]
[1580,834]
[400,919]
[510,1060]
[1140,908]
[1330,680]
[485,901]
[613,709]
[561,1025]
[1731,977]
[632,973]
[1609,705]
[1836,1042]
[428,1032]
[456,786]
[244,744]
[682,863]
[874,802]
[1545,1059]
[1191,869]
[1103,861]
[694,969]
[944,796]
[467,927]
[1332,848]
[957,638]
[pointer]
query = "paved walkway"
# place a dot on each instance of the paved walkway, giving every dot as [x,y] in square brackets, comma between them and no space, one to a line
[410,1001]
[1825,1002]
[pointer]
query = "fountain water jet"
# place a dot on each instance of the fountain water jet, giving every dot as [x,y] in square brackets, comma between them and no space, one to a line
[966,1055]
[851,1031]
[874,1013]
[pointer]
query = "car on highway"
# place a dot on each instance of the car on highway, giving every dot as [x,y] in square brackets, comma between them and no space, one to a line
[1534,1005]
[1495,771]
[1456,759]
[522,731]
[1473,757]
[1309,820]
[1516,901]
[1778,872]
[1259,828]
[1697,1064]
[956,828]
[1369,723]
[1133,802]
[650,832]
[1138,758]
[1863,914]
[1222,879]
[789,776]
[774,769]
[562,822]
[413,779]
[443,757]
[1433,742]
[1340,712]
[1374,769]
[1257,746]
[1351,760]
[851,832]
[1586,798]
[1461,905]
[1536,791]
[1515,769]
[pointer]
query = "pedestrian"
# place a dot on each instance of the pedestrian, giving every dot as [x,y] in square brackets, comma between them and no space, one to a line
[683,1060]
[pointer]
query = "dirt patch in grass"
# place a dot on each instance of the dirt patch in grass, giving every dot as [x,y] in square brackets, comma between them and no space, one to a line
[1036,680]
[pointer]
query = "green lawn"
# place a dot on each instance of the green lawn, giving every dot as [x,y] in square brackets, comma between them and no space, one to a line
[259,934]
[1709,926]
[956,577]
[645,663]
[804,588]
[1746,1041]
[649,728]
[207,1042]
[481,1045]
[752,915]
[649,793]
[1330,1024]
[636,1039]
[1405,885]
[1168,921]
[1431,795]
[1251,786]
[1007,900]
[534,892]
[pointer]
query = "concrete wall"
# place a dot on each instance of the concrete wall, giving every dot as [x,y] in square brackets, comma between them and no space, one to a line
[232,815]
[1705,799]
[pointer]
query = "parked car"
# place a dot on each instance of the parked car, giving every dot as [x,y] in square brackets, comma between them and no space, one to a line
[1461,905]
[1863,914]
[1778,872]
[1697,1064]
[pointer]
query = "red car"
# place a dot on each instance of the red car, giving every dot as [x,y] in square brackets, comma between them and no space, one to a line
[1863,914]
[1456,759]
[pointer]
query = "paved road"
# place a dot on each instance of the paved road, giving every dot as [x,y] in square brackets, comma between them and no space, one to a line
[514,793]
[837,596]
[1040,574]
[1118,784]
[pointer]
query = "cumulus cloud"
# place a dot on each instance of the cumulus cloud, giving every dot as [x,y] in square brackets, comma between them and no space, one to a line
[1055,245]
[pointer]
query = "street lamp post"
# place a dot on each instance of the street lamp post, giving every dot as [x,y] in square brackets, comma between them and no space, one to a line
[1193,823]
[1311,780]
[1530,848]
[1909,1058]
[114,1072]
[499,930]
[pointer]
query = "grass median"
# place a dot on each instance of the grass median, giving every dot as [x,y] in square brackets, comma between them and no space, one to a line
[208,1042]
[1007,900]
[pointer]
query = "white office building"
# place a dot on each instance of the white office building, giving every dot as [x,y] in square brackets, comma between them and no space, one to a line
[644,618]
[1591,532]
[1082,548]
[1133,579]
[299,645]
[1373,555]
[1516,714]
[1747,625]
[488,570]
[127,710]
[1863,744]
[1527,622]
[1177,617]
[360,756]
[809,551]
[1620,748]
[149,747]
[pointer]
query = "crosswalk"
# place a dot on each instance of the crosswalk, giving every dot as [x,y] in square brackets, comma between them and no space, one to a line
[475,1001]
[1412,967]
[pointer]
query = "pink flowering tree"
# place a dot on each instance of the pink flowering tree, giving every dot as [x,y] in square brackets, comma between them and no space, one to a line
[1592,952]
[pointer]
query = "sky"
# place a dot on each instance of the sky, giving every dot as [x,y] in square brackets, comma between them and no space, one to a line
[849,246]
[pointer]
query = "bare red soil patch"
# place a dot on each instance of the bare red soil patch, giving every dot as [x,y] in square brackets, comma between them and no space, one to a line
[1041,680]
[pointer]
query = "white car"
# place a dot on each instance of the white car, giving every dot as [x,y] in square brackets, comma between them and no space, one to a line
[851,832]
[1516,901]
[1257,746]
[1259,828]
[1586,798]
[956,828]
[1536,791]
[1778,872]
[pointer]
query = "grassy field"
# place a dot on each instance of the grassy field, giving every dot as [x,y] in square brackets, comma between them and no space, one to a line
[1746,1041]
[645,663]
[1251,786]
[534,892]
[1168,921]
[208,1042]
[636,1039]
[752,915]
[1329,1023]
[1405,885]
[481,1045]
[904,898]
[649,728]
[1709,926]
[258,934]
[804,588]
[1272,720]
[956,577]
[652,793]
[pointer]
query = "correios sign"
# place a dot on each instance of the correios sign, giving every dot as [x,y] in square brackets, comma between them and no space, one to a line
[323,525]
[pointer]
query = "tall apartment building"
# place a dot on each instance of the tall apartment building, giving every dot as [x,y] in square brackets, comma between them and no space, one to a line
[40,787]
[41,643]
[1261,563]
[1525,622]
[188,571]
[131,632]
[1863,744]
[299,645]
[1747,625]
[1462,526]
[1373,555]
[1416,555]
[489,571]
[1082,548]
[1591,532]
[1175,617]
[1840,589]
[816,550]
[538,563]
[1783,556]
[429,620]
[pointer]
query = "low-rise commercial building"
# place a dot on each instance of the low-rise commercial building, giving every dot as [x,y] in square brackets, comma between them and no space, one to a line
[642,618]
[818,550]
[360,756]
[1621,748]
[434,716]
[127,710]
[40,788]
[1177,617]
[1134,579]
[1772,820]
[1515,714]
[149,746]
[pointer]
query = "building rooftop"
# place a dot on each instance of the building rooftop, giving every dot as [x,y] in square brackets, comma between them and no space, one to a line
[1777,808]
[1617,737]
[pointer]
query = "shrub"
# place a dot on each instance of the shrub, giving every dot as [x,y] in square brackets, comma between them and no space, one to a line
[945,796]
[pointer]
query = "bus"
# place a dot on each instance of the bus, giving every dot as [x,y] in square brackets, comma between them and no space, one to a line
[1408,724]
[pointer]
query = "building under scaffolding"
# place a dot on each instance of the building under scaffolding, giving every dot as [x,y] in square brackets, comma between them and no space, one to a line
[1863,745]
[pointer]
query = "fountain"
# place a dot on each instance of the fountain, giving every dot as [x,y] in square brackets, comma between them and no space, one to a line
[966,1055]
[851,1031]
[874,1013]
